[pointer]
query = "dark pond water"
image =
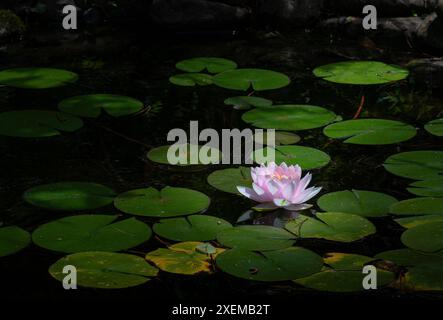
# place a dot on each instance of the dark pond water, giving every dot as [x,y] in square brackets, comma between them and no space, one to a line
[140,68]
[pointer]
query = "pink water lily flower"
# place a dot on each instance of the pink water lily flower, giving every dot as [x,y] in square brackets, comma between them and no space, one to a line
[279,187]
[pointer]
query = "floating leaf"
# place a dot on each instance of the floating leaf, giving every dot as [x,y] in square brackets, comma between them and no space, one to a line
[258,79]
[36,78]
[359,202]
[418,206]
[412,222]
[200,64]
[12,240]
[426,237]
[91,106]
[344,275]
[361,72]
[191,79]
[435,127]
[69,196]
[183,258]
[105,270]
[335,226]
[425,272]
[281,138]
[427,188]
[418,165]
[168,202]
[37,123]
[289,117]
[279,265]
[370,131]
[91,233]
[247,102]
[227,180]
[160,154]
[192,228]
[256,238]
[306,157]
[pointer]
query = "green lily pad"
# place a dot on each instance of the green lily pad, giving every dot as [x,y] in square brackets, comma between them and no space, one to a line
[425,272]
[361,72]
[70,196]
[344,274]
[279,265]
[370,131]
[12,240]
[426,237]
[359,202]
[427,188]
[227,180]
[105,270]
[256,238]
[247,102]
[91,233]
[168,202]
[37,123]
[183,258]
[418,165]
[281,138]
[192,228]
[258,79]
[412,222]
[306,157]
[36,78]
[435,127]
[290,117]
[191,79]
[91,106]
[334,226]
[212,65]
[418,207]
[160,154]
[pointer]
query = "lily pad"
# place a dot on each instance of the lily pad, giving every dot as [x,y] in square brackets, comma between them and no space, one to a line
[258,79]
[168,202]
[281,138]
[344,274]
[289,117]
[435,127]
[183,258]
[359,202]
[370,131]
[334,226]
[306,157]
[247,102]
[12,240]
[37,123]
[418,165]
[192,228]
[191,79]
[418,207]
[256,238]
[105,270]
[425,272]
[412,222]
[212,65]
[91,106]
[91,233]
[279,265]
[227,180]
[160,154]
[426,237]
[70,196]
[361,72]
[36,78]
[427,188]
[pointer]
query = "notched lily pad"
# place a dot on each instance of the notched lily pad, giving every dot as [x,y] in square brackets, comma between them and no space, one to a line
[247,102]
[227,180]
[418,165]
[36,78]
[182,155]
[191,79]
[435,127]
[427,188]
[258,79]
[211,64]
[281,138]
[418,207]
[12,240]
[37,123]
[427,237]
